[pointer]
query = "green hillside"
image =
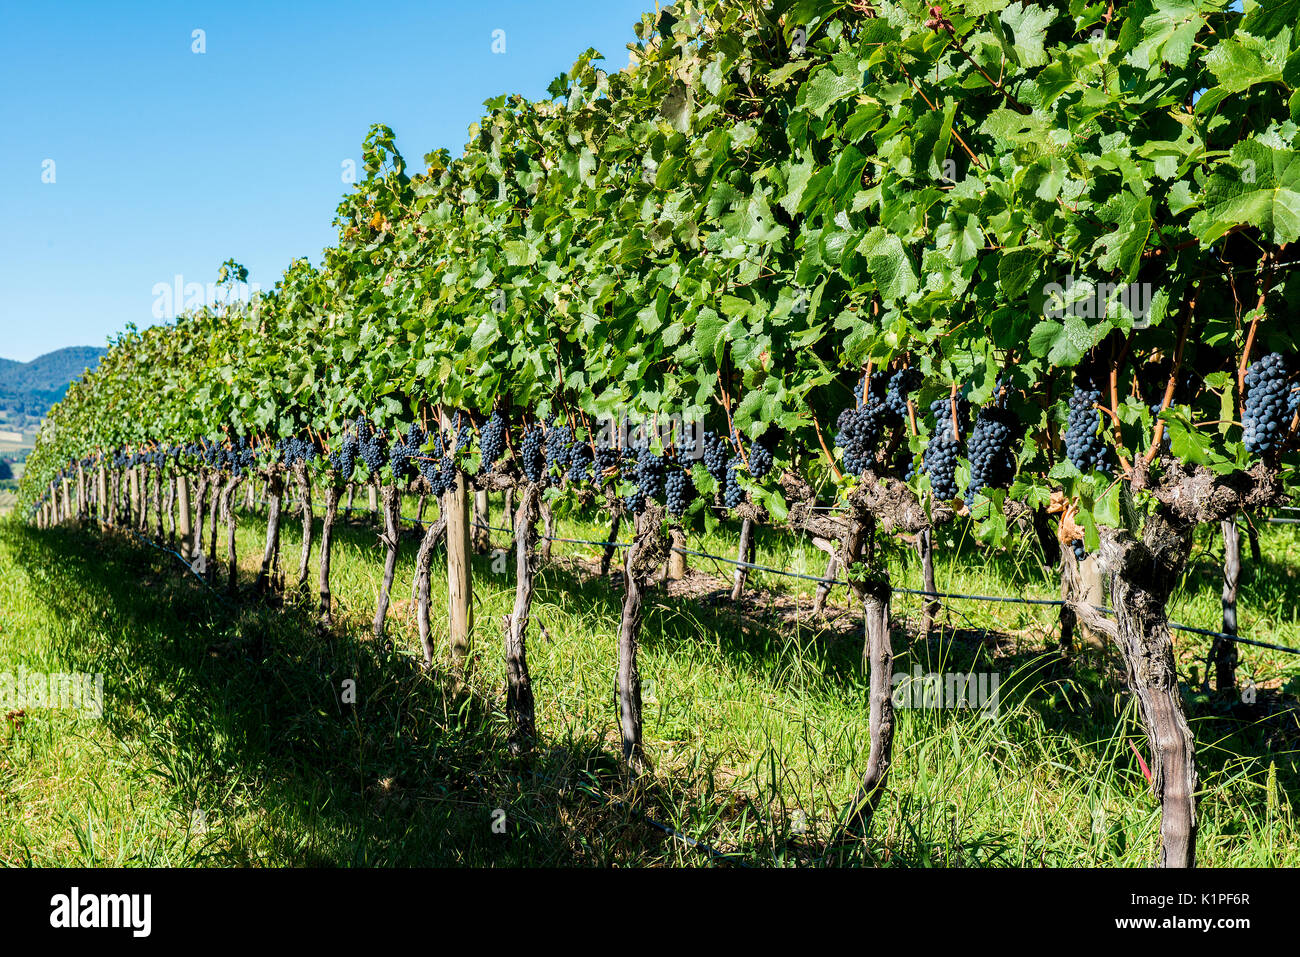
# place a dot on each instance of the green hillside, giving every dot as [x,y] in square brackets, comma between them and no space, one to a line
[28,389]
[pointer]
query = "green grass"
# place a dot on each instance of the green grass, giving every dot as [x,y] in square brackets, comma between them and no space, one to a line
[225,743]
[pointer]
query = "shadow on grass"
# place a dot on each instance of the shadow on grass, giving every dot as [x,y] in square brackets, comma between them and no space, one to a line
[240,708]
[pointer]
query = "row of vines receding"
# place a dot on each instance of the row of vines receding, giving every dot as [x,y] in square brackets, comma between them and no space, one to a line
[1025,265]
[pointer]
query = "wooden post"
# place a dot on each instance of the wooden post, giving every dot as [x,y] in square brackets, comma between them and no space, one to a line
[101,492]
[924,545]
[460,586]
[419,513]
[1223,654]
[482,519]
[676,568]
[744,553]
[826,584]
[158,502]
[519,691]
[607,557]
[83,499]
[391,499]
[184,525]
[422,586]
[548,530]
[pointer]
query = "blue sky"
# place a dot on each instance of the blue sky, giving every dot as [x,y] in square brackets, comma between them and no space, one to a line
[168,162]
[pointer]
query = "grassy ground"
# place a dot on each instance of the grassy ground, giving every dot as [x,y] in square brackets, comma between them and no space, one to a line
[225,740]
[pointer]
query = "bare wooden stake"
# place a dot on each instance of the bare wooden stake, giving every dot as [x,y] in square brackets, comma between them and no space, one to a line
[824,586]
[422,586]
[1223,653]
[676,567]
[482,519]
[744,553]
[519,692]
[607,558]
[925,546]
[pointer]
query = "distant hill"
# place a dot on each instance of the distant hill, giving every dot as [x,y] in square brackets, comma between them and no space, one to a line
[28,389]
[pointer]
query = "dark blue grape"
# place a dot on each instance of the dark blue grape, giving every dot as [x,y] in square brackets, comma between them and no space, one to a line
[1084,446]
[1269,406]
[939,459]
[679,491]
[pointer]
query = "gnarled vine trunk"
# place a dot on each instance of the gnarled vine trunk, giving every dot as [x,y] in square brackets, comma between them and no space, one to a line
[873,591]
[169,507]
[270,554]
[1143,575]
[647,551]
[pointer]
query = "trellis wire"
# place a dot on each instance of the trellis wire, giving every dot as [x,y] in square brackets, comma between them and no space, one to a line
[831,582]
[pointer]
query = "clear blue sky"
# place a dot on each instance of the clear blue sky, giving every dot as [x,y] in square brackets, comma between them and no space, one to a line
[168,161]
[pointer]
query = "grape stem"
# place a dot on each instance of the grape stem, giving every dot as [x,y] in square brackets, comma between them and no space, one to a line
[839,476]
[1159,432]
[726,405]
[1267,257]
[957,136]
[1116,362]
